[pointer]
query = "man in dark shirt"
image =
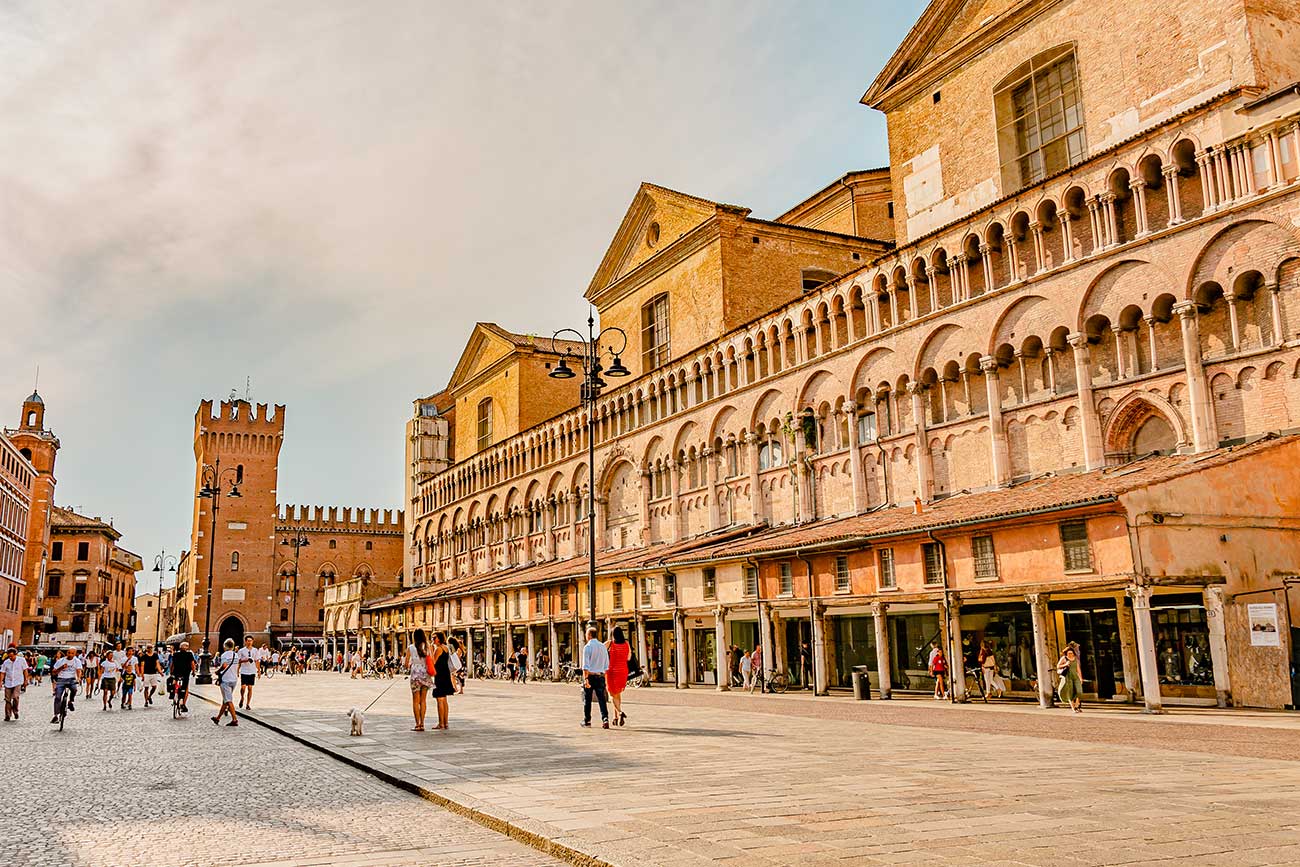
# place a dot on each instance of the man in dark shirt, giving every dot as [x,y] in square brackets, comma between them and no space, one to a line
[151,672]
[182,668]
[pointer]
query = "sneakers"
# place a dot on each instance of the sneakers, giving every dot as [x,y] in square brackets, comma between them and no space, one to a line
[605,724]
[586,725]
[71,707]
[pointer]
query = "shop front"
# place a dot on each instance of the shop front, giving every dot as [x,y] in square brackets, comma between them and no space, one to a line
[1007,629]
[661,650]
[1092,624]
[910,636]
[852,643]
[1182,638]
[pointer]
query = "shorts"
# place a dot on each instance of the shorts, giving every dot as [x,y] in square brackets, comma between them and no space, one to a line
[227,691]
[247,679]
[108,684]
[153,681]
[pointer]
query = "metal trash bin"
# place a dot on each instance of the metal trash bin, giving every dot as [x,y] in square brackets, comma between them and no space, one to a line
[861,683]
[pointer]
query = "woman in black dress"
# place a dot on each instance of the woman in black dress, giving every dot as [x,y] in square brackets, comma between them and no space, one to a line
[442,685]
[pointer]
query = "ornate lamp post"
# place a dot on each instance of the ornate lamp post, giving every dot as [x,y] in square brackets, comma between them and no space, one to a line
[212,476]
[589,361]
[162,564]
[299,541]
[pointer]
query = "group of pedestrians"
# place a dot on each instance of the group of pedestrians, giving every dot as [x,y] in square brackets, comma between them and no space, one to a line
[435,668]
[606,666]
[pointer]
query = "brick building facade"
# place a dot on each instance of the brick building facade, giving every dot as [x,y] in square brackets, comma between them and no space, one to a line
[39,447]
[253,556]
[89,581]
[17,478]
[1093,275]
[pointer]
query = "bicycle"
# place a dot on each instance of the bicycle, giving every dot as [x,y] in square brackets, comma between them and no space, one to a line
[777,681]
[640,680]
[63,693]
[179,688]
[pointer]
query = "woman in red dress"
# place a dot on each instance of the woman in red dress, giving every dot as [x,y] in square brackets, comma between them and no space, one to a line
[616,677]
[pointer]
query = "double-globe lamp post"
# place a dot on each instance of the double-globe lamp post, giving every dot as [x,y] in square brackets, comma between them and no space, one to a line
[589,359]
[212,476]
[162,564]
[299,541]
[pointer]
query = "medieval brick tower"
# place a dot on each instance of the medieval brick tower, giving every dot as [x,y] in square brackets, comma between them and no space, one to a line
[236,449]
[40,446]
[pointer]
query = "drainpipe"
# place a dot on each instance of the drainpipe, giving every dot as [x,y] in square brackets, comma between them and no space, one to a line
[812,621]
[954,642]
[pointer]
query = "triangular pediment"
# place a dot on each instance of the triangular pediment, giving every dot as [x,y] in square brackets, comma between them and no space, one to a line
[488,343]
[943,25]
[656,218]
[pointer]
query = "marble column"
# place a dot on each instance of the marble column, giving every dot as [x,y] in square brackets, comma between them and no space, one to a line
[956,659]
[1275,308]
[924,464]
[879,616]
[1204,436]
[1146,646]
[1093,451]
[1214,614]
[553,648]
[856,477]
[755,493]
[675,484]
[1042,662]
[720,654]
[679,632]
[1171,193]
[997,432]
[1128,651]
[820,661]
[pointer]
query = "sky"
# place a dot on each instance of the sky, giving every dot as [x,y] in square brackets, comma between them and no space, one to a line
[321,198]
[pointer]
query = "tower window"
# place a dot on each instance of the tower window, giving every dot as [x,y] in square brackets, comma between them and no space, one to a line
[234,561]
[1040,119]
[654,332]
[484,423]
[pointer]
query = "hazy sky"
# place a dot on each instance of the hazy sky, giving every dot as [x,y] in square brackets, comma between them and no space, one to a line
[323,197]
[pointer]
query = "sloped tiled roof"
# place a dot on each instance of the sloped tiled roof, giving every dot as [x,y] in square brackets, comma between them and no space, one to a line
[68,519]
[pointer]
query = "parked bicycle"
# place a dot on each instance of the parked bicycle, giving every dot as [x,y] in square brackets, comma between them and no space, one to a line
[639,680]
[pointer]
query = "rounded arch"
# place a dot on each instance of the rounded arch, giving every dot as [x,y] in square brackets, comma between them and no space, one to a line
[766,407]
[1241,247]
[1024,317]
[1111,289]
[685,434]
[1129,432]
[871,368]
[232,627]
[820,387]
[941,344]
[721,420]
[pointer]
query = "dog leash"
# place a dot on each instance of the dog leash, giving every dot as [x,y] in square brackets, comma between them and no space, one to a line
[381,695]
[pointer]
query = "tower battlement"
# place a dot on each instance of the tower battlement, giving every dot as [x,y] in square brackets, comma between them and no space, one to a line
[341,518]
[239,415]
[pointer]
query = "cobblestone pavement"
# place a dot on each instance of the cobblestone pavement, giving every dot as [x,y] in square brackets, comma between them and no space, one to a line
[138,789]
[702,778]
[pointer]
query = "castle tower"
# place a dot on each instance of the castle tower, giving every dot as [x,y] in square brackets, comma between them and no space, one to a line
[237,448]
[41,447]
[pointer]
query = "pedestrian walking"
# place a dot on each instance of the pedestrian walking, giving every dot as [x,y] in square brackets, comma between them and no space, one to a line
[227,678]
[938,666]
[356,664]
[417,655]
[616,677]
[756,667]
[456,661]
[151,669]
[42,662]
[130,672]
[247,657]
[1070,687]
[988,663]
[16,675]
[523,665]
[595,663]
[109,669]
[442,683]
[746,671]
[91,676]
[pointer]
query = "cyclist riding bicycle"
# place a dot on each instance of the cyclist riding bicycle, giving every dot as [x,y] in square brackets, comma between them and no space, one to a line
[182,668]
[65,671]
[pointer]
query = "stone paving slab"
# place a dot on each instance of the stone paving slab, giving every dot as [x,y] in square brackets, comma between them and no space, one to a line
[732,779]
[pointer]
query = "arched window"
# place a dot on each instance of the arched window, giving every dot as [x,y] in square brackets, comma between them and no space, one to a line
[234,561]
[484,423]
[1040,119]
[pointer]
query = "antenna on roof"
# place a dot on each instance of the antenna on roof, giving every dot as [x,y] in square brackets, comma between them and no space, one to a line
[248,389]
[36,386]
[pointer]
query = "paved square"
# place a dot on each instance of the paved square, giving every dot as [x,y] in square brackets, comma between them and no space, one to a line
[700,778]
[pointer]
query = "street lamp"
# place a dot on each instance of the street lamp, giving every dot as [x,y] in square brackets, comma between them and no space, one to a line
[211,476]
[299,541]
[589,359]
[162,564]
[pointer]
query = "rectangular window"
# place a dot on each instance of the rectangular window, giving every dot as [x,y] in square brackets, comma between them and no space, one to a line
[537,602]
[787,580]
[618,595]
[460,608]
[1040,119]
[710,583]
[55,588]
[1074,543]
[885,560]
[484,423]
[647,587]
[932,554]
[986,561]
[478,608]
[564,598]
[83,551]
[670,589]
[56,551]
[654,333]
[751,581]
[842,583]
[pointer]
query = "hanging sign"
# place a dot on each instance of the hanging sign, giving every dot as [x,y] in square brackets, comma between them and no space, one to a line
[1262,617]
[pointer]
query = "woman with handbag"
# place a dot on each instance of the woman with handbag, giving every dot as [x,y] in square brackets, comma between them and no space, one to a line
[417,653]
[442,684]
[616,677]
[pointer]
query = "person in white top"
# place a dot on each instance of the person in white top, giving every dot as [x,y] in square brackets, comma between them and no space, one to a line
[108,671]
[15,674]
[247,657]
[746,669]
[227,677]
[65,672]
[355,664]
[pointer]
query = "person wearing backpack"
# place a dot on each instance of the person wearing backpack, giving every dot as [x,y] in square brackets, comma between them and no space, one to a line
[228,678]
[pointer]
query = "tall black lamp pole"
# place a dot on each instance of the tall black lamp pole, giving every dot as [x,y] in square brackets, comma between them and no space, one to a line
[299,541]
[589,359]
[162,564]
[211,490]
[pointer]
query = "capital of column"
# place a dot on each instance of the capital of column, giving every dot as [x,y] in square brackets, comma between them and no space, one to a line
[988,364]
[1048,351]
[915,388]
[879,609]
[1149,320]
[720,612]
[850,407]
[1107,197]
[1118,329]
[751,438]
[930,271]
[1035,599]
[1018,353]
[707,451]
[956,259]
[1273,287]
[1134,183]
[1140,595]
[1185,309]
[1077,339]
[1063,217]
[1169,171]
[985,248]
[1035,226]
[1094,205]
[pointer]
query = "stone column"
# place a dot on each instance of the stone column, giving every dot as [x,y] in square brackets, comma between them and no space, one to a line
[924,465]
[911,296]
[1138,187]
[711,466]
[767,637]
[879,616]
[1040,249]
[1067,236]
[1050,354]
[755,494]
[642,645]
[956,660]
[1121,365]
[530,643]
[1024,375]
[647,491]
[1171,192]
[553,648]
[1013,260]
[932,279]
[820,661]
[679,631]
[1108,213]
[487,640]
[675,484]
[1151,341]
[1205,171]
[1274,160]
[1128,651]
[997,433]
[1204,436]
[1218,645]
[1234,329]
[855,460]
[720,653]
[1042,662]
[1093,451]
[1146,646]
[893,307]
[1100,239]
[1275,307]
[987,263]
[778,642]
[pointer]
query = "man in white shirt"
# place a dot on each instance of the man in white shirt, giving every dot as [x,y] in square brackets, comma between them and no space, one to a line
[64,673]
[247,657]
[595,662]
[109,668]
[15,674]
[227,677]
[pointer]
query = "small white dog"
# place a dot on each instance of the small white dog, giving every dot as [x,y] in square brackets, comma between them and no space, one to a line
[358,721]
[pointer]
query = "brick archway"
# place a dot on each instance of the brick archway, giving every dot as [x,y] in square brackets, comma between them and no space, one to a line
[1137,426]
